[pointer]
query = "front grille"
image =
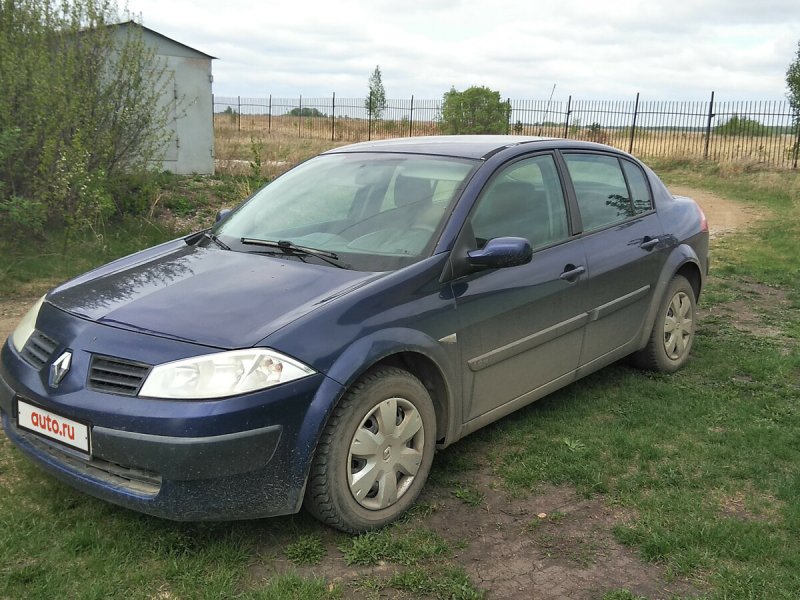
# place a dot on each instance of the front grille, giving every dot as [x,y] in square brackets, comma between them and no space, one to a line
[116,375]
[137,481]
[38,349]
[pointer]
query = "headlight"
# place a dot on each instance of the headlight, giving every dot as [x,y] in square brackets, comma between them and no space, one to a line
[26,326]
[223,374]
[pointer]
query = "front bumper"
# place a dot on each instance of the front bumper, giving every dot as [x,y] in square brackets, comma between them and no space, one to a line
[257,470]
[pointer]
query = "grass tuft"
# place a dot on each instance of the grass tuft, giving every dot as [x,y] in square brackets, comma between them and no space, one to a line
[307,550]
[394,544]
[469,495]
[293,587]
[445,584]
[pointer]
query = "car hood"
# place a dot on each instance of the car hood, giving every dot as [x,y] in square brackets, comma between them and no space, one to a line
[204,295]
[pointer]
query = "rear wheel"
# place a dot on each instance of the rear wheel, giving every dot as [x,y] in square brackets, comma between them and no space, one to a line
[374,454]
[672,337]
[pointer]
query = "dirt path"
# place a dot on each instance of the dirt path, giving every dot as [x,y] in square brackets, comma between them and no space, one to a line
[724,216]
[551,545]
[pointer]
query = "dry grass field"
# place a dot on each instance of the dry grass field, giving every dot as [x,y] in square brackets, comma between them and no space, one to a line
[248,142]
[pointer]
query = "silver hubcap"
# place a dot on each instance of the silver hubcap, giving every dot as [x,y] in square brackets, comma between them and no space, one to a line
[385,453]
[678,326]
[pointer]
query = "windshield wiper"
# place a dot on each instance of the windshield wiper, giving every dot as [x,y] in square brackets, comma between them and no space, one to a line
[288,247]
[216,240]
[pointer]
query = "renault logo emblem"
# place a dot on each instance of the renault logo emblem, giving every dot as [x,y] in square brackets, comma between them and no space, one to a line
[60,368]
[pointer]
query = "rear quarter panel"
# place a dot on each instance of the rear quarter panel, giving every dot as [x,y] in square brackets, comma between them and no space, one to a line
[686,238]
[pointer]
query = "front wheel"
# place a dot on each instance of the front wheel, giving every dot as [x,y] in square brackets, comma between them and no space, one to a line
[672,337]
[374,454]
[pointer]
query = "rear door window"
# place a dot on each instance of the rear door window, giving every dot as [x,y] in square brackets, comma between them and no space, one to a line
[637,182]
[601,190]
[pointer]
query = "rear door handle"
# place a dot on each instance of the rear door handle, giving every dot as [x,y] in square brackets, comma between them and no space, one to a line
[571,272]
[649,243]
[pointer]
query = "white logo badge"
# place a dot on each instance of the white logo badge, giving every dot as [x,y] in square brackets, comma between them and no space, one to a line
[60,368]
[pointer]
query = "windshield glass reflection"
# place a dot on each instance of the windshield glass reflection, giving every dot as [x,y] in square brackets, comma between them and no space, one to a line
[378,211]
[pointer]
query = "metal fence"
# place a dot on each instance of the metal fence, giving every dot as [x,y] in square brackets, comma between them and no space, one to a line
[758,131]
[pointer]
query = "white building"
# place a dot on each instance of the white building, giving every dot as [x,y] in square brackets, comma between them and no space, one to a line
[191,145]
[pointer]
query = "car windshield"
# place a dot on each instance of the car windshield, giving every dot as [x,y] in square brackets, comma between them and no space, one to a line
[372,211]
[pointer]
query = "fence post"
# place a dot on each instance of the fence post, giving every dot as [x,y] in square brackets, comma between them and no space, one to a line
[239,112]
[508,118]
[633,125]
[269,115]
[300,117]
[333,117]
[411,116]
[708,125]
[566,121]
[369,117]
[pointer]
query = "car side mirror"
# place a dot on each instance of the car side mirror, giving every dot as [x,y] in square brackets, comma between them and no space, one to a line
[222,213]
[501,252]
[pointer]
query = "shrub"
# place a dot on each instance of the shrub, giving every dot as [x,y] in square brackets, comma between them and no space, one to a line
[79,109]
[742,126]
[475,110]
[306,112]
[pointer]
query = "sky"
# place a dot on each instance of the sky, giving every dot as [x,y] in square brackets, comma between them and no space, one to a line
[587,49]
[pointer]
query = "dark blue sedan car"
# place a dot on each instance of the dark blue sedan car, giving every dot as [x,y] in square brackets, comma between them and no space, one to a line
[374,303]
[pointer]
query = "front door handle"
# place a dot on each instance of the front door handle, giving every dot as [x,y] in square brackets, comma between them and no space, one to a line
[649,243]
[571,273]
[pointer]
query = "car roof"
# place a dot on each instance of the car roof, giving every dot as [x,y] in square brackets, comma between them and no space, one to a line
[464,146]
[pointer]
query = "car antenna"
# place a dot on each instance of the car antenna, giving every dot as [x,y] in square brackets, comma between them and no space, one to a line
[547,110]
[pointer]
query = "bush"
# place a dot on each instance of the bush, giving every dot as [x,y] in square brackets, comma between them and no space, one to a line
[21,216]
[306,112]
[475,110]
[742,126]
[80,109]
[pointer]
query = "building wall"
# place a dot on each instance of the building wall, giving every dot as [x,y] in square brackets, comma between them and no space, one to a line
[191,148]
[191,145]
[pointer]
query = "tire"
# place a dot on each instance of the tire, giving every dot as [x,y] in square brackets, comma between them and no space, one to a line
[671,340]
[369,469]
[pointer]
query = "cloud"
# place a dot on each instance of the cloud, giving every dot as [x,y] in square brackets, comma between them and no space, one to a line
[587,48]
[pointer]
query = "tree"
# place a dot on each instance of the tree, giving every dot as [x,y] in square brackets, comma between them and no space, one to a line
[306,112]
[475,110]
[742,126]
[793,85]
[80,110]
[793,82]
[376,101]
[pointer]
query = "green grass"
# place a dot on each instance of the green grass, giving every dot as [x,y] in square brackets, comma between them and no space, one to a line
[468,495]
[706,461]
[171,206]
[294,587]
[54,539]
[443,584]
[679,450]
[399,544]
[307,550]
[622,595]
[767,252]
[708,458]
[52,260]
